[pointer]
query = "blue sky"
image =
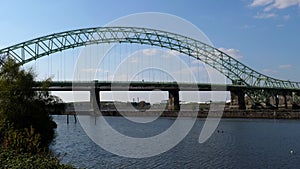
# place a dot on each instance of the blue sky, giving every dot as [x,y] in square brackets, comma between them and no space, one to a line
[263,34]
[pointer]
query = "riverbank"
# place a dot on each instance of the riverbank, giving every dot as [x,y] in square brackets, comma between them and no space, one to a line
[263,114]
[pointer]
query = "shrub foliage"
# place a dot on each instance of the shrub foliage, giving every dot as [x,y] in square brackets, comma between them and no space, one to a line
[26,127]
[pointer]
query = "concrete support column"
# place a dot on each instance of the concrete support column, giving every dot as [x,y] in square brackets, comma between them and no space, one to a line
[95,98]
[173,103]
[294,100]
[268,102]
[285,101]
[239,98]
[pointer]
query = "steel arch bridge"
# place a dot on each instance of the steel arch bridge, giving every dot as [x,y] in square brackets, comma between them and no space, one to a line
[233,69]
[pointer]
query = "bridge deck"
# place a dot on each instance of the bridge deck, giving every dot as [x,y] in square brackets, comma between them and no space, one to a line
[150,86]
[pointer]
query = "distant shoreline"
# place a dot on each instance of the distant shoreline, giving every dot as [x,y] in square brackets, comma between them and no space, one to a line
[248,114]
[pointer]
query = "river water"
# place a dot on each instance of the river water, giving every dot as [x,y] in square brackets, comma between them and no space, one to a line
[237,143]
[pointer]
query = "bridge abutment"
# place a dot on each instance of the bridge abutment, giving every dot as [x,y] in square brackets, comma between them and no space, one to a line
[173,103]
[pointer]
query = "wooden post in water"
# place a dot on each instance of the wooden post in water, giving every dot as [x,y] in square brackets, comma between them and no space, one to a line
[75,119]
[67,118]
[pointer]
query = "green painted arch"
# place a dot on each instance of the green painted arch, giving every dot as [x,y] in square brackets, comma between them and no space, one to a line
[236,71]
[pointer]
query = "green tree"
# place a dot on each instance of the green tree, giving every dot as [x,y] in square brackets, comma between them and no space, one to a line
[22,106]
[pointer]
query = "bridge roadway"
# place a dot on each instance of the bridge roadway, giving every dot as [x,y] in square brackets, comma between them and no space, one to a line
[150,86]
[238,92]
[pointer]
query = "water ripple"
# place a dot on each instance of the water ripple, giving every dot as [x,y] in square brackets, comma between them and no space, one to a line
[238,144]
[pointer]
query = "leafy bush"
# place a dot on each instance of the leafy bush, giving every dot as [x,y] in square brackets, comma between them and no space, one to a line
[21,149]
[22,140]
[26,128]
[24,108]
[13,160]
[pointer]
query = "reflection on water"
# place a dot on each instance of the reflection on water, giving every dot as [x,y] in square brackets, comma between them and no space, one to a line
[237,143]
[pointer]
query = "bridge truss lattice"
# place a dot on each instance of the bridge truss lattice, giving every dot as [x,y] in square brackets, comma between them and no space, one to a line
[230,67]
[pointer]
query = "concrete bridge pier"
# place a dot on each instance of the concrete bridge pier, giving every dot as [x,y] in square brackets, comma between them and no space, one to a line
[275,102]
[173,103]
[285,101]
[238,97]
[95,99]
[295,100]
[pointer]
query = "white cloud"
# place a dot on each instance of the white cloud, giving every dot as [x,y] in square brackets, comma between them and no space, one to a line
[232,52]
[92,70]
[281,4]
[265,15]
[272,71]
[149,52]
[133,60]
[269,71]
[246,26]
[286,17]
[275,4]
[165,54]
[285,66]
[260,3]
[171,53]
[280,26]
